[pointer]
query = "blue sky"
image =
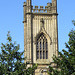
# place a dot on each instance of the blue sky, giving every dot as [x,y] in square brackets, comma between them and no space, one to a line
[11,17]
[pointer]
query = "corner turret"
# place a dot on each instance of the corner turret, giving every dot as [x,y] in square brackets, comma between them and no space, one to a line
[54,6]
[29,5]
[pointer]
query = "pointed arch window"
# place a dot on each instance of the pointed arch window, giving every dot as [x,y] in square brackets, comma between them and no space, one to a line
[42,47]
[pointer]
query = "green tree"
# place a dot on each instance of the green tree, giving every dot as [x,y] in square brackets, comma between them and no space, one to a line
[12,61]
[65,61]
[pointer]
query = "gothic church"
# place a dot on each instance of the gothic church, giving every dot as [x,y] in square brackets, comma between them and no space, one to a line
[40,35]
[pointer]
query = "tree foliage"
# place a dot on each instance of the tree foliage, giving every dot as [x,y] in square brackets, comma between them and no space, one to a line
[12,61]
[73,21]
[66,60]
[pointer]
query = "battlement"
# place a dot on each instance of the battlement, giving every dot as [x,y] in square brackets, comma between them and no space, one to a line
[51,8]
[41,9]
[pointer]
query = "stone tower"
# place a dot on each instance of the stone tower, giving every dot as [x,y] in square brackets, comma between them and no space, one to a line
[40,35]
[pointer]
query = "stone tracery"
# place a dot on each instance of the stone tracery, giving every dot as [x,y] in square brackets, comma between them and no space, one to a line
[42,47]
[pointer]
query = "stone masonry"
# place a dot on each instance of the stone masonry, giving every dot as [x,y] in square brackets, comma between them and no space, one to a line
[38,21]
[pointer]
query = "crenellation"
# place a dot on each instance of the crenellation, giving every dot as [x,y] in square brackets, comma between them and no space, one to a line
[46,7]
[36,7]
[41,9]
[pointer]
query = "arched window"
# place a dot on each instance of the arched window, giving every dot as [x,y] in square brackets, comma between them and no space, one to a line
[42,47]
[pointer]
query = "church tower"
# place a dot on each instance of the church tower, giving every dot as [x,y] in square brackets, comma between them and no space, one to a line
[40,35]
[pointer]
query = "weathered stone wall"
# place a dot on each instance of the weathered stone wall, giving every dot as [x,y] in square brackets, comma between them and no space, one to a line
[33,27]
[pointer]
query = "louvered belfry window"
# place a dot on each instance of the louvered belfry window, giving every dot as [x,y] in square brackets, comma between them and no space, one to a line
[42,47]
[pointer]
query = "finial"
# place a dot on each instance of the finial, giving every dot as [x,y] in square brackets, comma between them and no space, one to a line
[36,7]
[41,7]
[49,4]
[24,4]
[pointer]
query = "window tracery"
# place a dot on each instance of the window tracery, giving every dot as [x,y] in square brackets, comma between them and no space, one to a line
[42,47]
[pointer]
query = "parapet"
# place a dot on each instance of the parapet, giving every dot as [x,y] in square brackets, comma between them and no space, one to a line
[41,9]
